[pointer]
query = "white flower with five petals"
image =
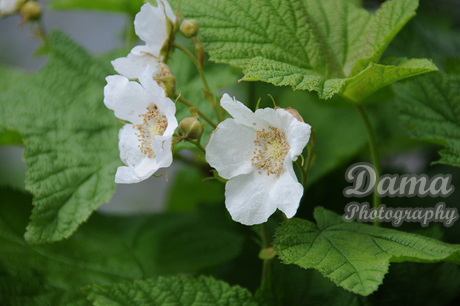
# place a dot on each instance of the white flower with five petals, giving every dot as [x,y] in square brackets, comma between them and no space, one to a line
[145,144]
[255,151]
[152,25]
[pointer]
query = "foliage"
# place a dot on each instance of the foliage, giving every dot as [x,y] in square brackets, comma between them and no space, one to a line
[430,108]
[301,52]
[69,139]
[105,250]
[359,262]
[325,46]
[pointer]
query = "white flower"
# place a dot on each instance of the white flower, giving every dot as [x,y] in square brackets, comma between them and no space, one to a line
[255,152]
[151,25]
[8,7]
[145,144]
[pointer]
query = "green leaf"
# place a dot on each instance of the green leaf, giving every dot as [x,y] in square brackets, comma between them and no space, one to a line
[306,44]
[122,6]
[189,191]
[171,291]
[70,139]
[292,285]
[430,108]
[106,250]
[354,256]
[377,76]
[9,137]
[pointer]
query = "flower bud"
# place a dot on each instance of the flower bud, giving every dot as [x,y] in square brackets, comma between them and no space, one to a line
[31,10]
[190,128]
[189,28]
[166,80]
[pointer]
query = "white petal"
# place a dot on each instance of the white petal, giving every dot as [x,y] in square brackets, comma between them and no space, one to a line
[297,133]
[126,175]
[134,65]
[139,167]
[150,85]
[157,96]
[269,116]
[172,121]
[287,191]
[8,6]
[241,113]
[247,198]
[150,25]
[162,146]
[127,99]
[168,10]
[231,148]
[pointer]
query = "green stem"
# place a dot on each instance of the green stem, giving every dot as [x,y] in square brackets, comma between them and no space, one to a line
[373,150]
[202,115]
[198,145]
[310,158]
[207,92]
[266,266]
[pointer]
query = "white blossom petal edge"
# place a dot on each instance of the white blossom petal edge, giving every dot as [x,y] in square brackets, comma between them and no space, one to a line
[255,151]
[151,25]
[8,6]
[145,143]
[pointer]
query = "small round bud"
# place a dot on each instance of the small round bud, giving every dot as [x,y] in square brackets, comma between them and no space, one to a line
[189,28]
[190,128]
[31,10]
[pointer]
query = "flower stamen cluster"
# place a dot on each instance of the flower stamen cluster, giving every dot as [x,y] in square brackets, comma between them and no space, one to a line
[154,124]
[271,148]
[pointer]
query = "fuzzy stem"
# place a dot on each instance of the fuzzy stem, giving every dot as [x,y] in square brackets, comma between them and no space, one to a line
[373,150]
[202,115]
[266,266]
[207,92]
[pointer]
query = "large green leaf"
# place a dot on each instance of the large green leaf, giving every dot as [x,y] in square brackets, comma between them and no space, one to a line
[70,139]
[430,108]
[105,250]
[171,291]
[121,6]
[307,44]
[355,256]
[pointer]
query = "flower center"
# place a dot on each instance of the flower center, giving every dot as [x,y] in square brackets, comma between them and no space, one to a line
[271,148]
[154,124]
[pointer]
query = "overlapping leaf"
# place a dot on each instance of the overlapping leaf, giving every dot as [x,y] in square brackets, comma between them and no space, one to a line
[171,291]
[430,108]
[105,250]
[355,256]
[70,139]
[327,46]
